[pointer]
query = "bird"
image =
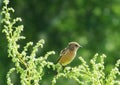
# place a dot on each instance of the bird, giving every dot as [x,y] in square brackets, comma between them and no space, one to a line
[68,54]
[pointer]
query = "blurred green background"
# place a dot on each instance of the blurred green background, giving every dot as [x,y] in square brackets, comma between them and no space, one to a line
[95,24]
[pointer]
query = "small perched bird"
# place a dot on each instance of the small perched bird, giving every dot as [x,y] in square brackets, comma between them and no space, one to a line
[68,54]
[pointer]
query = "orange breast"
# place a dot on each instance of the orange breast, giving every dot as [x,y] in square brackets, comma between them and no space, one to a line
[67,58]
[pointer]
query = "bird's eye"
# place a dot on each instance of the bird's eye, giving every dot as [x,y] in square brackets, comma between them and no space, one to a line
[76,45]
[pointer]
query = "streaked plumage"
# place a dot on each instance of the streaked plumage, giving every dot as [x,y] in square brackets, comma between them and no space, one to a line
[68,54]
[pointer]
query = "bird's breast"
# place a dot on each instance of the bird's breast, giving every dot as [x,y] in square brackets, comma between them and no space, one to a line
[67,58]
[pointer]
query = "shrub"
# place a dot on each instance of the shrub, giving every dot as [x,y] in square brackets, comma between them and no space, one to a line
[31,67]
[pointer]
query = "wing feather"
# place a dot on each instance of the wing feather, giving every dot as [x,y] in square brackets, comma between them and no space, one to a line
[63,52]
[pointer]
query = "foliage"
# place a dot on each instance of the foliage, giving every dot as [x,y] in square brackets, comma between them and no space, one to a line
[93,76]
[31,68]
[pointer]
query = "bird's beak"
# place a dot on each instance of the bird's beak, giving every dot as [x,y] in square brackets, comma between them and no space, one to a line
[80,46]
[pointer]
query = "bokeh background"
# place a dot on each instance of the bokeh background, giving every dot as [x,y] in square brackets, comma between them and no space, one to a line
[95,24]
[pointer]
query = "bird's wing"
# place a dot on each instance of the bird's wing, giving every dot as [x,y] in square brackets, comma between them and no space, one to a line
[63,52]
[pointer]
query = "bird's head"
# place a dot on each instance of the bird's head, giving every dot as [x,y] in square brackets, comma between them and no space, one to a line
[74,46]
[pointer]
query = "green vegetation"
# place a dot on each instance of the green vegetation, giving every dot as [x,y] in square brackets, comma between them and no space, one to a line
[32,65]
